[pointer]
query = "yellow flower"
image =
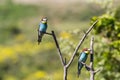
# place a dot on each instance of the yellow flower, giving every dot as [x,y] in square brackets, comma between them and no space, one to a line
[37,75]
[20,37]
[7,53]
[65,35]
[10,77]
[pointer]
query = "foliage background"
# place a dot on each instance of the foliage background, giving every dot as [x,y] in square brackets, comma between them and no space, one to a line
[22,59]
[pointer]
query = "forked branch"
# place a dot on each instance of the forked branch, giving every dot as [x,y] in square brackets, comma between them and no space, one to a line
[80,43]
[64,63]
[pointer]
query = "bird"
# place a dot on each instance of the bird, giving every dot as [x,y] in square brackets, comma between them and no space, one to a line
[82,58]
[42,29]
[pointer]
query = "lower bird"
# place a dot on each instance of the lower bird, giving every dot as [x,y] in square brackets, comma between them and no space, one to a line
[42,29]
[82,58]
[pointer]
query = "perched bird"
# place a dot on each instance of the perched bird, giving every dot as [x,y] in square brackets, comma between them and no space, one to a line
[82,58]
[42,29]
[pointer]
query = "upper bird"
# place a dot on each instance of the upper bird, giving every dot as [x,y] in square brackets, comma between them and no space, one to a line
[42,29]
[82,58]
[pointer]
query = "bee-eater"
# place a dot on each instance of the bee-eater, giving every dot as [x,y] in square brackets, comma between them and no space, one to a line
[42,29]
[82,58]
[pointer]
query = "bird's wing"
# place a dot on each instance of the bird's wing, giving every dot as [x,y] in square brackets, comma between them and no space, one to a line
[80,55]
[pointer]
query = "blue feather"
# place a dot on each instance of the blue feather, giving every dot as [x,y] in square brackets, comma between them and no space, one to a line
[82,58]
[43,27]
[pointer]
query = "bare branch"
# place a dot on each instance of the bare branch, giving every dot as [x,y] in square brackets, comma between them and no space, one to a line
[80,43]
[91,52]
[97,71]
[58,48]
[91,59]
[64,63]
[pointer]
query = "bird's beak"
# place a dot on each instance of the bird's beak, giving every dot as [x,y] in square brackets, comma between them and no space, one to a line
[89,49]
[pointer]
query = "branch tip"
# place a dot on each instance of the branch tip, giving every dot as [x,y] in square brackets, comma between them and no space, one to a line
[97,71]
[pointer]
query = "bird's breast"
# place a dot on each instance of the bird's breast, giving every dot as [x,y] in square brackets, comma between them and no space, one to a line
[83,57]
[43,27]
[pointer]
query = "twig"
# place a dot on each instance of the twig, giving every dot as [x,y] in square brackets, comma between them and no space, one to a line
[97,71]
[80,43]
[58,48]
[61,57]
[48,33]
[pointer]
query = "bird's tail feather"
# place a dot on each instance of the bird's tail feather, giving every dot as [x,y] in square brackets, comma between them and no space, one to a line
[79,73]
[40,35]
[79,68]
[39,39]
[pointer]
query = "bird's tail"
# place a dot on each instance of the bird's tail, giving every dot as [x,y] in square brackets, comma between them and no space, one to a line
[40,37]
[79,68]
[79,71]
[39,40]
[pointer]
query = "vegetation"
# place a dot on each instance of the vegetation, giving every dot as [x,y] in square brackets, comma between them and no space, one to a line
[109,52]
[108,29]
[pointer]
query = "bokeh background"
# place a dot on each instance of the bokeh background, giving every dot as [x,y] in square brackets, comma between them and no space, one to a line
[21,58]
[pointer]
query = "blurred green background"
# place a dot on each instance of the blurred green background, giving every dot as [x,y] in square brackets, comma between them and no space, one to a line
[22,59]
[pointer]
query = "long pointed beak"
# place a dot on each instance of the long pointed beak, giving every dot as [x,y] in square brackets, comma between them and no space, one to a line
[89,49]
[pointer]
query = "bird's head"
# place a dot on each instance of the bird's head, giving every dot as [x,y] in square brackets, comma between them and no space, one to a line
[44,20]
[86,50]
